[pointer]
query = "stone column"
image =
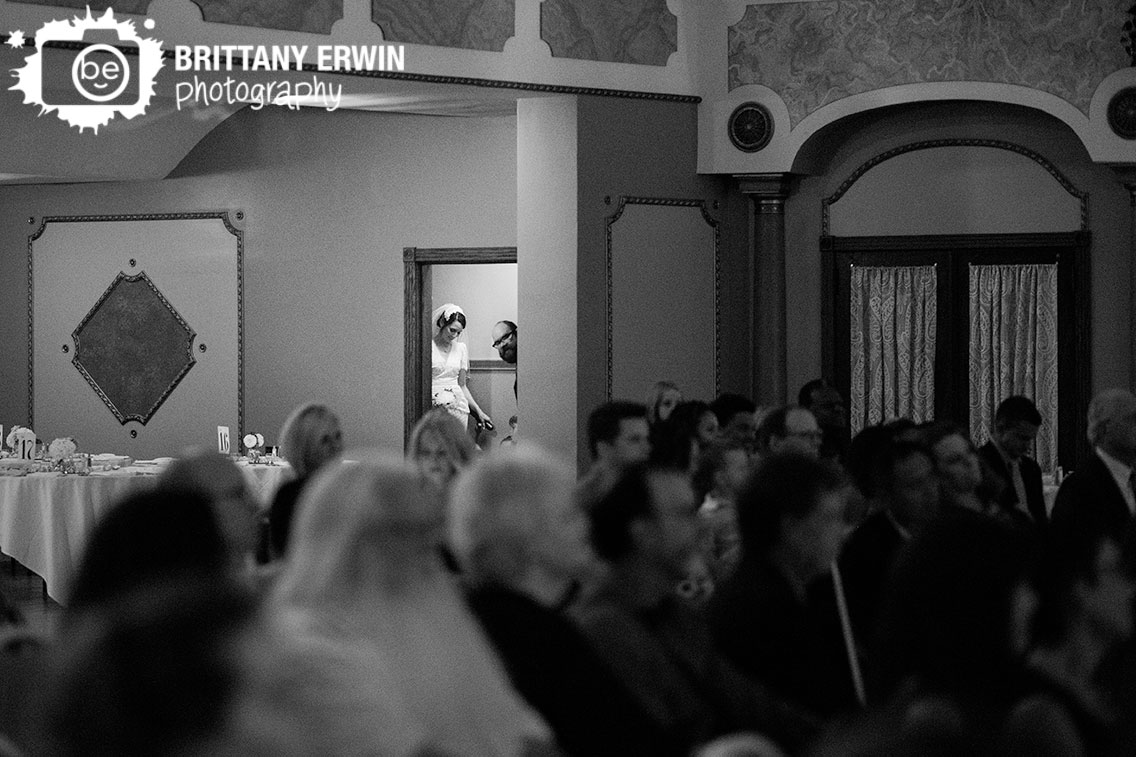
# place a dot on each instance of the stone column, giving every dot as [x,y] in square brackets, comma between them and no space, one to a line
[767,193]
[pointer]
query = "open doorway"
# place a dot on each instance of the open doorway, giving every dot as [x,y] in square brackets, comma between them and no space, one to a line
[483,281]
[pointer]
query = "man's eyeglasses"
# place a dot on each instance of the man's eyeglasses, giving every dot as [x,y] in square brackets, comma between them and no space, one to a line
[503,340]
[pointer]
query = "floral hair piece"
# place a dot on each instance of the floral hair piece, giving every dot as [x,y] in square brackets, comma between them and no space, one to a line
[445,313]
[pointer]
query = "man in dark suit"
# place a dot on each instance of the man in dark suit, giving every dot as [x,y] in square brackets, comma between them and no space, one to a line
[1016,423]
[1099,500]
[906,491]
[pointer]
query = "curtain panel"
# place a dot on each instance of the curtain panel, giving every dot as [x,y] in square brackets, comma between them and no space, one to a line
[1013,347]
[892,341]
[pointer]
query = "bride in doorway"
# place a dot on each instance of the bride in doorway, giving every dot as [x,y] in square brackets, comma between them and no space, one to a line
[450,367]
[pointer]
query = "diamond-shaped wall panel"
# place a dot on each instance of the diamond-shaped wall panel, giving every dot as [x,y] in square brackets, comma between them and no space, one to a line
[133,348]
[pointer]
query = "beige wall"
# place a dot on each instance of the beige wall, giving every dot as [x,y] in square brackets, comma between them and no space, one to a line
[330,201]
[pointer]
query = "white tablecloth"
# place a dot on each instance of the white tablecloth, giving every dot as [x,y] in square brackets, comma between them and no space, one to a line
[45,517]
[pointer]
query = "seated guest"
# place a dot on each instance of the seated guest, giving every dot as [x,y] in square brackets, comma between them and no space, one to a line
[824,401]
[1085,610]
[147,537]
[954,624]
[907,498]
[310,438]
[643,528]
[440,448]
[618,437]
[1099,499]
[789,429]
[1016,423]
[723,470]
[381,644]
[520,538]
[679,440]
[957,466]
[146,670]
[220,482]
[735,416]
[768,618]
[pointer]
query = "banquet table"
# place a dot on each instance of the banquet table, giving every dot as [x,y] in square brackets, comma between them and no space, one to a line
[45,517]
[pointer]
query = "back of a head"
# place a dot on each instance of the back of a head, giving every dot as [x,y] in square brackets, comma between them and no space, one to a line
[511,510]
[805,396]
[611,512]
[150,671]
[671,444]
[603,422]
[148,537]
[361,530]
[863,458]
[726,406]
[948,604]
[1016,409]
[935,432]
[773,424]
[1105,407]
[220,482]
[310,437]
[782,486]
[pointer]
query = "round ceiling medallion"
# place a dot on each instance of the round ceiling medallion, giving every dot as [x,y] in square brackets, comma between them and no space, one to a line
[750,127]
[1122,113]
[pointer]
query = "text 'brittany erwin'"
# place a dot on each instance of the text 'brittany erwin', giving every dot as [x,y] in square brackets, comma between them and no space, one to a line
[288,57]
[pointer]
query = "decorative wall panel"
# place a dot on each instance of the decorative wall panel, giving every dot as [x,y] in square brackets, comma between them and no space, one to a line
[135,331]
[468,24]
[316,16]
[646,342]
[632,31]
[133,348]
[813,54]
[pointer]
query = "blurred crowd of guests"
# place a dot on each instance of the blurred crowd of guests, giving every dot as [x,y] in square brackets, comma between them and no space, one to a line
[722,580]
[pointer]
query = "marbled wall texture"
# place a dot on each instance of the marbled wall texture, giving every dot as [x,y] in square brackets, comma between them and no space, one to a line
[813,54]
[468,24]
[293,15]
[121,6]
[296,15]
[628,31]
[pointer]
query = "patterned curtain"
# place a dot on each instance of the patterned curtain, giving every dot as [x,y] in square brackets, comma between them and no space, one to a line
[892,344]
[1013,347]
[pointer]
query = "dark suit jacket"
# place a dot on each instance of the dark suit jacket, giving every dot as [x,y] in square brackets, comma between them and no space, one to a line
[1090,505]
[865,562]
[795,648]
[554,668]
[1007,497]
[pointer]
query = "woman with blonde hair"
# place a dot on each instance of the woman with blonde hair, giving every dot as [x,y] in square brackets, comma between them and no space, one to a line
[439,448]
[310,438]
[379,654]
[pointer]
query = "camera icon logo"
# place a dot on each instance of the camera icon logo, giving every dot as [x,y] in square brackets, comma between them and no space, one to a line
[112,73]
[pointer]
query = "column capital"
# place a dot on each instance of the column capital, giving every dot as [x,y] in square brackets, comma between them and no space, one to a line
[765,185]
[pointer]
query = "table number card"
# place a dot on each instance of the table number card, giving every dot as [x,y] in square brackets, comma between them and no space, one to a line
[223,439]
[25,448]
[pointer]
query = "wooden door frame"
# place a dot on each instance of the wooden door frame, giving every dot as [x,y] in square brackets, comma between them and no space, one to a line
[416,316]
